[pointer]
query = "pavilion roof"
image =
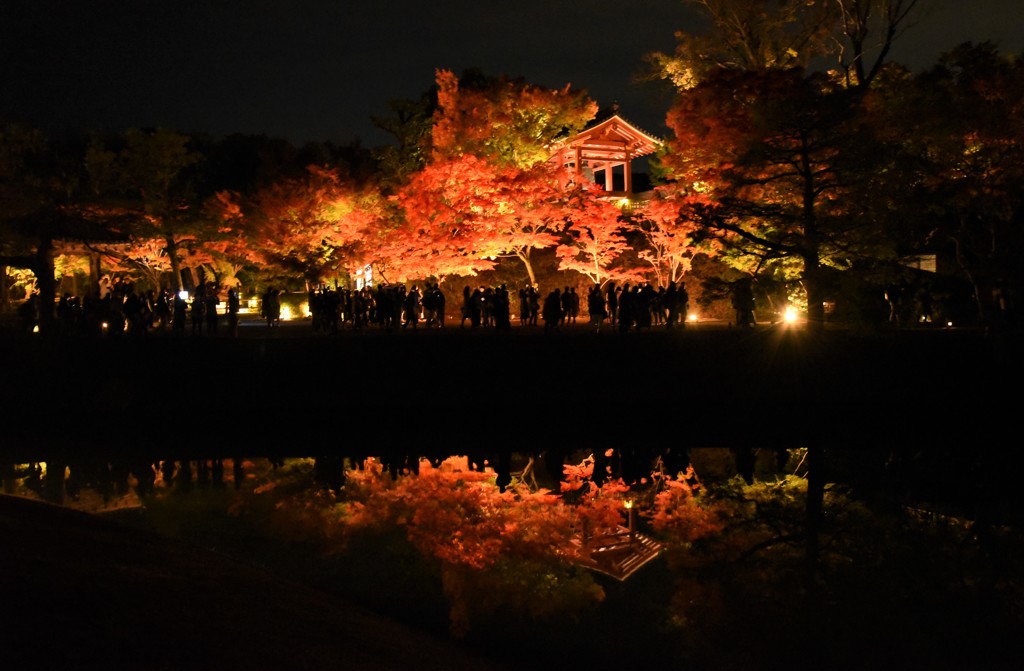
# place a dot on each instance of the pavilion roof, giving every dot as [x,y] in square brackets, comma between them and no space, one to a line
[610,136]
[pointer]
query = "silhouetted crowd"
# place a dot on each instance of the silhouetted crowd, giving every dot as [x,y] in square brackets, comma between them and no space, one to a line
[118,308]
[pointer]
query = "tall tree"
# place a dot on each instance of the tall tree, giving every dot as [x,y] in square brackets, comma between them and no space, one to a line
[507,122]
[486,190]
[311,225]
[153,172]
[773,162]
[853,36]
[746,35]
[960,124]
[42,206]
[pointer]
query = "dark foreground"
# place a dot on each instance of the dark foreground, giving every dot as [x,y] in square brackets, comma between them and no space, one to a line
[297,393]
[81,592]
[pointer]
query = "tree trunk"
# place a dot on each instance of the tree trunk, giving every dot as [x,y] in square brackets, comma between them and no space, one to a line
[5,294]
[525,257]
[45,270]
[95,272]
[171,245]
[815,503]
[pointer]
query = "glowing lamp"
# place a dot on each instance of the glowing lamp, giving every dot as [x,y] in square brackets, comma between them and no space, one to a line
[790,315]
[628,505]
[183,295]
[692,317]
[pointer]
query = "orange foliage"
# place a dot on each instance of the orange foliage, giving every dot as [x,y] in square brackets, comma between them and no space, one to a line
[678,514]
[506,122]
[596,238]
[313,224]
[459,516]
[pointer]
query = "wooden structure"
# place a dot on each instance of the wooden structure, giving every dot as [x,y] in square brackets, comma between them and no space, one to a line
[617,552]
[604,152]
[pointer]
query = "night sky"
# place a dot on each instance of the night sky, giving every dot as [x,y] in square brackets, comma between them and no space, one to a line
[311,70]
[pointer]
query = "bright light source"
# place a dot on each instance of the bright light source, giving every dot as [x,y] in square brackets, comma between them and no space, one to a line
[627,504]
[183,295]
[790,315]
[35,329]
[949,324]
[286,313]
[692,317]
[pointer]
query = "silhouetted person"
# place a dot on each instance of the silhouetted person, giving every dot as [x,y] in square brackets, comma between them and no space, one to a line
[743,302]
[596,307]
[233,307]
[552,311]
[611,301]
[212,301]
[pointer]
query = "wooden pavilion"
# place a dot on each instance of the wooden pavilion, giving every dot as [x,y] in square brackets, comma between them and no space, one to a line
[604,151]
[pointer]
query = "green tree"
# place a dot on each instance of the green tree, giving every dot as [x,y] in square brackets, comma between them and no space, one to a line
[154,175]
[960,127]
[43,206]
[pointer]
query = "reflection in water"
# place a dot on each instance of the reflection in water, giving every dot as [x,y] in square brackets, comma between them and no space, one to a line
[104,483]
[98,485]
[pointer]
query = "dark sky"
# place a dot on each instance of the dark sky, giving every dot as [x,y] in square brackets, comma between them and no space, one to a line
[320,69]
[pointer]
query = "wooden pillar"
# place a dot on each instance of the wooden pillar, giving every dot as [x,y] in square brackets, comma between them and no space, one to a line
[608,183]
[627,174]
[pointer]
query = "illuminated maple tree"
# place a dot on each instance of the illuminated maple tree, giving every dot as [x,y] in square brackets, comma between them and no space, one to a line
[595,242]
[668,234]
[487,191]
[508,122]
[311,225]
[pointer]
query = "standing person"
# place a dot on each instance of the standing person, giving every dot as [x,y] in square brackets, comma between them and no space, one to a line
[627,308]
[467,310]
[412,308]
[552,311]
[212,301]
[272,308]
[596,308]
[534,298]
[743,302]
[233,306]
[524,307]
[162,308]
[198,309]
[612,304]
[441,304]
[683,301]
[179,315]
